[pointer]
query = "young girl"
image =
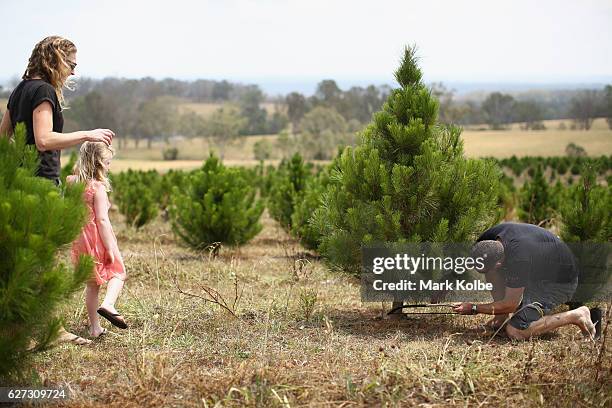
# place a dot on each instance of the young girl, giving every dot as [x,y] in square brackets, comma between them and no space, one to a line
[97,238]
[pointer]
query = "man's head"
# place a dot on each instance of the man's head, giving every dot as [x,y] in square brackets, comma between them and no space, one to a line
[492,252]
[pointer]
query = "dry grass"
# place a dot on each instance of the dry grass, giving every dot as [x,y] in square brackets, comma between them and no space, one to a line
[207,108]
[550,142]
[502,144]
[193,149]
[285,349]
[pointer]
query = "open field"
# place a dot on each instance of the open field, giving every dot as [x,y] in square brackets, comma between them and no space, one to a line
[193,149]
[284,350]
[206,109]
[500,144]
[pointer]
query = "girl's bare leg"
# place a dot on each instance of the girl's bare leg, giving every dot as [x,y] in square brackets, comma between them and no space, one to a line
[112,293]
[91,301]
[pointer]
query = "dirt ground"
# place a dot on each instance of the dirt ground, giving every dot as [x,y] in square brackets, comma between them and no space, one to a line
[300,337]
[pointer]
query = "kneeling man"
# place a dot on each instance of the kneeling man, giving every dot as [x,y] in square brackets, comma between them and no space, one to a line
[532,271]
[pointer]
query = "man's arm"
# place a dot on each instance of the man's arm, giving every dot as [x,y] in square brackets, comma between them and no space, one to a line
[508,304]
[496,278]
[47,139]
[6,127]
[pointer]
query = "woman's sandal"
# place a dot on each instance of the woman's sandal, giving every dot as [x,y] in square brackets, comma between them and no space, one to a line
[115,318]
[79,341]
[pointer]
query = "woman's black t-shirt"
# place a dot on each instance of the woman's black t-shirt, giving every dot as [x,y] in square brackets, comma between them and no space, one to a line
[23,100]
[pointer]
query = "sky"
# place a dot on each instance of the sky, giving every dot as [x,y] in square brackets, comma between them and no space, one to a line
[520,41]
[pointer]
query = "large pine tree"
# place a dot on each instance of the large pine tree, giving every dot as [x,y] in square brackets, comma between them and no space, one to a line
[35,221]
[406,181]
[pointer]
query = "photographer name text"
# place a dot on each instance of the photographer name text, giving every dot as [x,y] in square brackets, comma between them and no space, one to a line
[408,285]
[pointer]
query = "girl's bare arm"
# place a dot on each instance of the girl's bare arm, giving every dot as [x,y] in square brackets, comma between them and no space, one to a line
[104,226]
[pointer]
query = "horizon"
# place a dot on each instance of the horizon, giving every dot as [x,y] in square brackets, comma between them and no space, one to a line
[275,41]
[307,86]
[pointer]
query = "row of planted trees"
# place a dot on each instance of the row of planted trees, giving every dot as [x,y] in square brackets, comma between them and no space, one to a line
[407,180]
[556,165]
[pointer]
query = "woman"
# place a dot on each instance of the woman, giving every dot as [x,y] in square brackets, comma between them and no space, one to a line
[38,101]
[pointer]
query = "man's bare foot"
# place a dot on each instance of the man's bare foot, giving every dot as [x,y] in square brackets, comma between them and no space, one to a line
[584,322]
[67,337]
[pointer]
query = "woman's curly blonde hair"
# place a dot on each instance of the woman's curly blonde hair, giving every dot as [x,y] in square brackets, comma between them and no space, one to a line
[49,61]
[90,163]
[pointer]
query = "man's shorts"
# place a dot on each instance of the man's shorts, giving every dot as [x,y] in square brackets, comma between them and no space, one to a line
[539,299]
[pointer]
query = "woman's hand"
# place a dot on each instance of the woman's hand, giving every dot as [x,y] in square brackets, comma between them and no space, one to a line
[110,258]
[101,135]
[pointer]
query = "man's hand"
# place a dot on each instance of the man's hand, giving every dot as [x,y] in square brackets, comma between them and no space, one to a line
[463,308]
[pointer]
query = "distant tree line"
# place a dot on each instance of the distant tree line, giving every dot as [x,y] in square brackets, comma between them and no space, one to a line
[147,109]
[498,110]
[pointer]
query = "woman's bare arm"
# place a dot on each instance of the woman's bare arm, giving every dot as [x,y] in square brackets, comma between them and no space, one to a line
[6,127]
[47,139]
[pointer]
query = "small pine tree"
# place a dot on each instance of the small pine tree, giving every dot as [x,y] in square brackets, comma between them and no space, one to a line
[35,221]
[407,180]
[310,200]
[216,204]
[137,196]
[288,184]
[557,195]
[586,210]
[587,227]
[266,176]
[507,197]
[166,184]
[534,207]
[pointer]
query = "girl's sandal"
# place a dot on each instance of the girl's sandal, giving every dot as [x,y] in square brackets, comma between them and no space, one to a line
[102,333]
[115,318]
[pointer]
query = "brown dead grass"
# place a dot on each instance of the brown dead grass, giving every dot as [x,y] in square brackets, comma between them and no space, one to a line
[180,351]
[193,149]
[208,108]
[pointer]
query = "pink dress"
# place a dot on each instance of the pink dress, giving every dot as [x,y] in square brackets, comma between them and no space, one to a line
[89,242]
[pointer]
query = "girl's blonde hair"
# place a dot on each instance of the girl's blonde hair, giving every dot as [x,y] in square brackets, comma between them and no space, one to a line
[49,61]
[89,165]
